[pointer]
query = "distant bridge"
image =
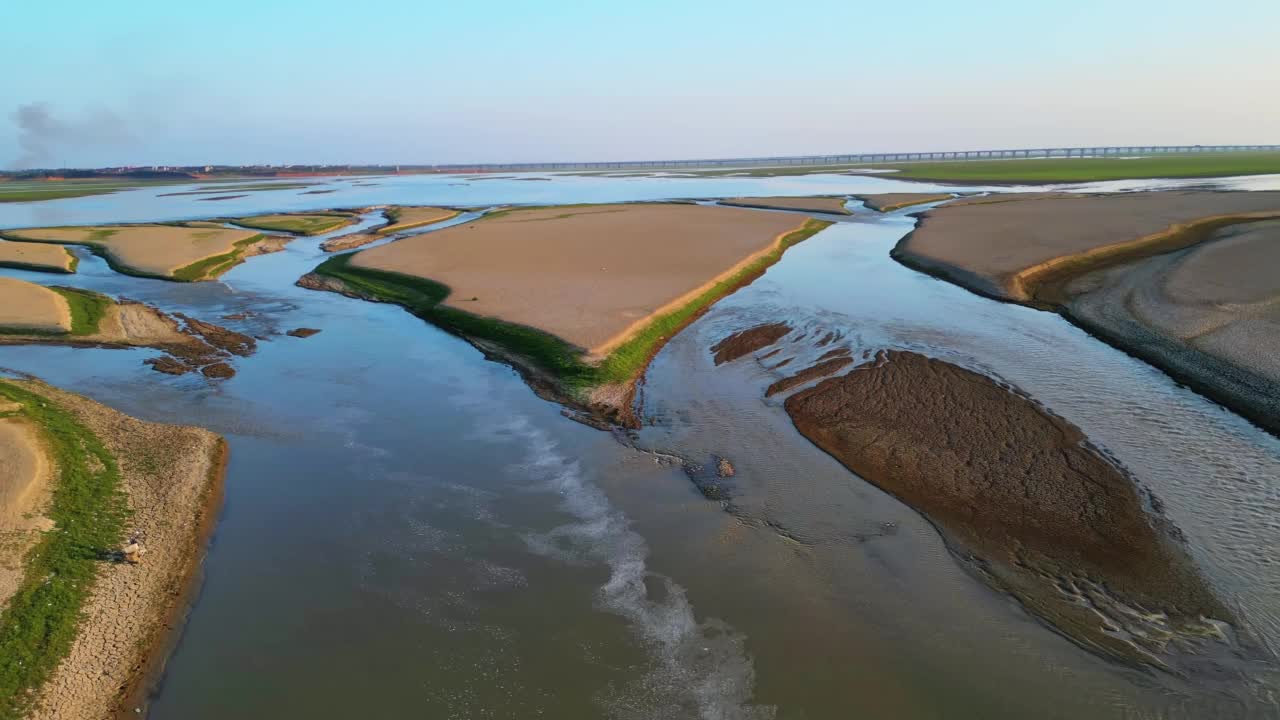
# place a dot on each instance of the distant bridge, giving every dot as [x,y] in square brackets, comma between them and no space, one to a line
[865,158]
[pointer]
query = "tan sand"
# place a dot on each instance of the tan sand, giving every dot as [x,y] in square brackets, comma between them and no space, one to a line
[1004,249]
[28,307]
[172,477]
[350,241]
[587,274]
[24,490]
[148,249]
[824,205]
[888,202]
[36,256]
[415,216]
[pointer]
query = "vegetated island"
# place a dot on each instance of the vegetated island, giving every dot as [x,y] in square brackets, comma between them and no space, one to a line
[105,518]
[825,204]
[399,218]
[179,252]
[1019,493]
[888,202]
[298,223]
[37,256]
[576,298]
[32,314]
[1183,280]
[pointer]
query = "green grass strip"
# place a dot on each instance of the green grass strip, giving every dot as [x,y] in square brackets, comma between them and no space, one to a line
[423,298]
[89,511]
[87,308]
[212,267]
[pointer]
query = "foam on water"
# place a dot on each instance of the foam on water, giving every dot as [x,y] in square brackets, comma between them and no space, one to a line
[701,669]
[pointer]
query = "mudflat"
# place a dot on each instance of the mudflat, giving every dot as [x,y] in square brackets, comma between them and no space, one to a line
[1006,248]
[155,250]
[825,205]
[36,256]
[1051,519]
[1210,314]
[28,307]
[888,202]
[589,275]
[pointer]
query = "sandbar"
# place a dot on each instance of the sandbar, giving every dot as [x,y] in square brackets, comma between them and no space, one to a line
[824,205]
[28,307]
[1005,248]
[171,252]
[405,217]
[24,484]
[888,202]
[300,223]
[36,256]
[588,275]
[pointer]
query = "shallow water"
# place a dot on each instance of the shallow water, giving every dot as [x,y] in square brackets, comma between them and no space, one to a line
[408,531]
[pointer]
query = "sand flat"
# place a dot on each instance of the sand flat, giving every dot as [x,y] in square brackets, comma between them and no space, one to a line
[587,274]
[27,306]
[825,205]
[24,484]
[150,249]
[36,256]
[995,247]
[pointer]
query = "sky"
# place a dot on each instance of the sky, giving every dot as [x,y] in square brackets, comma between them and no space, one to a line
[87,83]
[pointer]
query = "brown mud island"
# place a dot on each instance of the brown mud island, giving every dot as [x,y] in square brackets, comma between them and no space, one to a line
[576,298]
[185,253]
[108,517]
[32,314]
[823,204]
[399,218]
[1020,495]
[1184,280]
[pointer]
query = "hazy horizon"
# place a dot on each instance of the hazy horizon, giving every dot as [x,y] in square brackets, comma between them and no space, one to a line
[397,82]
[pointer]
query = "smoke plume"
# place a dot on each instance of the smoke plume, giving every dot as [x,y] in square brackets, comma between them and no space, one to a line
[44,140]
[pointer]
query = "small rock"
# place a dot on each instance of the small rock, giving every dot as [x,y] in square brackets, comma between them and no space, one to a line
[724,468]
[133,552]
[302,332]
[218,371]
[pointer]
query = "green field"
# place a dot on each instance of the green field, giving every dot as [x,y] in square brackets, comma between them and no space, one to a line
[1090,169]
[87,308]
[89,511]
[300,224]
[424,298]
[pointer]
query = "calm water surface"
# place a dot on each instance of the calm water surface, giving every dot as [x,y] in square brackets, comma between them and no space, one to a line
[409,532]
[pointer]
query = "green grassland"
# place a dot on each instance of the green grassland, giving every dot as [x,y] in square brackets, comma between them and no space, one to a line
[88,510]
[299,224]
[560,359]
[1055,170]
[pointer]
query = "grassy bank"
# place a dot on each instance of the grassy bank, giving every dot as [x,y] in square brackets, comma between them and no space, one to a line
[548,353]
[87,308]
[88,511]
[211,267]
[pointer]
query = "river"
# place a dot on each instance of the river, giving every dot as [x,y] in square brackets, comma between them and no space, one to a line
[409,531]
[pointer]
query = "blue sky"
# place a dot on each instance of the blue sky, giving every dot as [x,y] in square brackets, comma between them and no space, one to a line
[254,81]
